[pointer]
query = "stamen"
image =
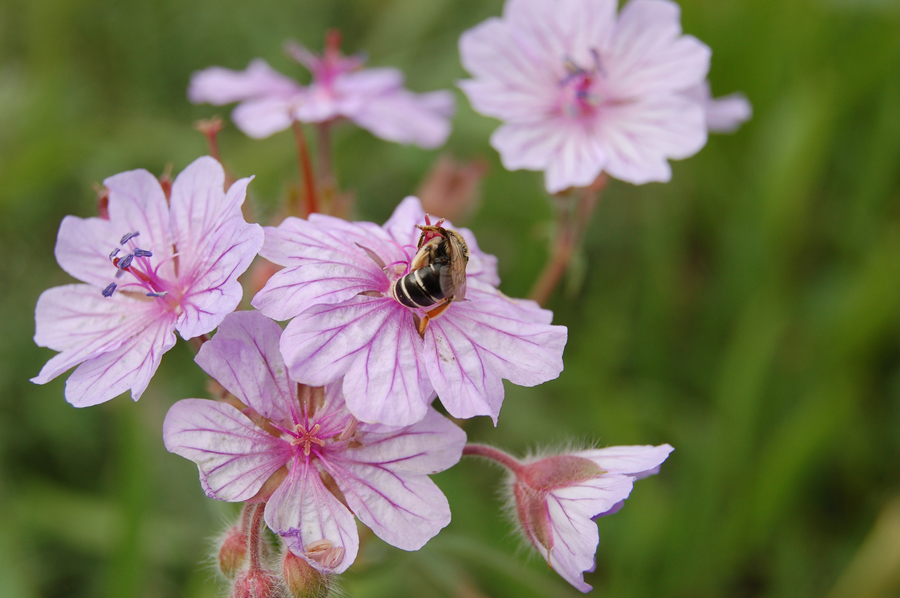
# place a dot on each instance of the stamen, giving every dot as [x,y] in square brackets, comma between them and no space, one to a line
[114,253]
[349,430]
[159,294]
[142,253]
[128,236]
[319,547]
[125,262]
[109,290]
[333,557]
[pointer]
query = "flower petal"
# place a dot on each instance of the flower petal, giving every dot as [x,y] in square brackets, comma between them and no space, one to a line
[639,136]
[234,456]
[217,85]
[137,204]
[481,340]
[215,244]
[260,118]
[78,321]
[372,342]
[638,461]
[578,161]
[403,510]
[406,117]
[131,365]
[83,246]
[303,511]
[327,262]
[529,145]
[574,534]
[648,54]
[514,79]
[244,357]
[727,113]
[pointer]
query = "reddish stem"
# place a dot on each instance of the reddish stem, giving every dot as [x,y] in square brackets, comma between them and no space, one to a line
[495,455]
[254,534]
[572,222]
[306,169]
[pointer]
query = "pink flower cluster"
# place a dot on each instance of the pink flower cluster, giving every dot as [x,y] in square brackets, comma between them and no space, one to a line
[331,419]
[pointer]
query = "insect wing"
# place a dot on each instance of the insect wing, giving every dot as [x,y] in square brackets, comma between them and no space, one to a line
[456,269]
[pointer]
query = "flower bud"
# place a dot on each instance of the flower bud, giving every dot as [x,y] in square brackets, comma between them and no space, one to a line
[233,552]
[451,189]
[303,580]
[258,583]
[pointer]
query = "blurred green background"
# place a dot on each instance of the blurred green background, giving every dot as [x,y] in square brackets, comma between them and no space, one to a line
[748,312]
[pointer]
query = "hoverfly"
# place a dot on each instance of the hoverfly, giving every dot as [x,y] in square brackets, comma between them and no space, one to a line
[437,272]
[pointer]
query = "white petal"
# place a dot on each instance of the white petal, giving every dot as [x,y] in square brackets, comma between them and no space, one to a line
[373,343]
[405,117]
[130,366]
[649,55]
[303,511]
[260,118]
[217,85]
[481,340]
[137,204]
[629,460]
[83,246]
[244,357]
[234,456]
[639,136]
[574,534]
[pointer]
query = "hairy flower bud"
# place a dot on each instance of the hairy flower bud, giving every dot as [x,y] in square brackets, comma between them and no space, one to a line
[233,552]
[258,583]
[301,579]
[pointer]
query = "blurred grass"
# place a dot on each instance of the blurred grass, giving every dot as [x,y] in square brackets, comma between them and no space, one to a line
[748,312]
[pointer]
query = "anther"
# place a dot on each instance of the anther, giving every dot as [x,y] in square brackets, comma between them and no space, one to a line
[142,253]
[109,290]
[159,294]
[125,261]
[128,236]
[114,253]
[349,430]
[333,557]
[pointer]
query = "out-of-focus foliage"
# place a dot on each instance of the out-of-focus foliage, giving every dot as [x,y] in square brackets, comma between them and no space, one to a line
[748,313]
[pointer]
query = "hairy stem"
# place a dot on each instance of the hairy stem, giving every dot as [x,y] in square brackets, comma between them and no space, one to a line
[495,455]
[254,534]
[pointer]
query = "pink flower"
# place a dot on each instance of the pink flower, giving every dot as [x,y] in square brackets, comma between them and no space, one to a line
[347,324]
[152,268]
[583,91]
[314,463]
[372,98]
[556,497]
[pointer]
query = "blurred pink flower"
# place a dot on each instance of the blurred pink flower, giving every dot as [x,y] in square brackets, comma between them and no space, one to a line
[374,99]
[583,91]
[321,465]
[172,267]
[336,285]
[556,497]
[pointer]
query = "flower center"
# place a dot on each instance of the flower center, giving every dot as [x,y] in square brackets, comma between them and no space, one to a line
[307,438]
[580,89]
[134,270]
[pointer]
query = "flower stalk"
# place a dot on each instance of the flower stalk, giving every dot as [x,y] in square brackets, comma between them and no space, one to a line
[306,171]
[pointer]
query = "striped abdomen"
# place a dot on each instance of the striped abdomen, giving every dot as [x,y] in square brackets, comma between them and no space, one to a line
[420,288]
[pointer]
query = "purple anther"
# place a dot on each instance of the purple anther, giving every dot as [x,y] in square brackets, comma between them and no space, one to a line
[114,253]
[159,294]
[142,253]
[109,290]
[126,261]
[128,236]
